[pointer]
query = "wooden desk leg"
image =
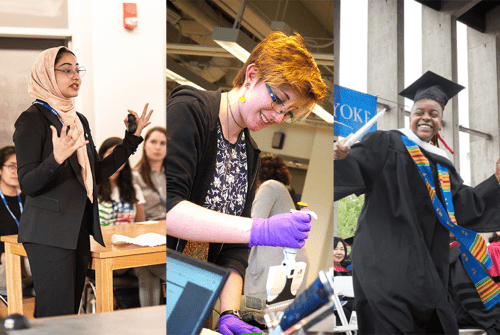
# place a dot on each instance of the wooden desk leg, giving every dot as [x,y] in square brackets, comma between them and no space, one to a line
[104,284]
[14,284]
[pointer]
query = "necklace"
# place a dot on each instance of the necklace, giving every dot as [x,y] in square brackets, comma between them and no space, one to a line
[229,157]
[231,111]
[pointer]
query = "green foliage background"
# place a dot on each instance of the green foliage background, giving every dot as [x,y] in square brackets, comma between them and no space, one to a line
[348,213]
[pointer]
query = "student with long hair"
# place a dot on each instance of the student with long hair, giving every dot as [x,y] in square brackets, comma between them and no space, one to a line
[150,173]
[120,200]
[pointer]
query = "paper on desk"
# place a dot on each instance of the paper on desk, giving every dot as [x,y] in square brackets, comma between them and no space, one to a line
[146,240]
[147,222]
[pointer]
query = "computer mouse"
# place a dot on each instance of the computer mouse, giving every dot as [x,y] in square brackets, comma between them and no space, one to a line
[16,321]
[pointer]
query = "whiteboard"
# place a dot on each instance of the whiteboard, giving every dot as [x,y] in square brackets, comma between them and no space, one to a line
[51,14]
[17,55]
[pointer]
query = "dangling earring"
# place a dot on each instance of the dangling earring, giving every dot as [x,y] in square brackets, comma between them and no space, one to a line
[242,98]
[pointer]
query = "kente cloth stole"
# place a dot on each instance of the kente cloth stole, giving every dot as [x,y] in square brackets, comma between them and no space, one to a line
[472,245]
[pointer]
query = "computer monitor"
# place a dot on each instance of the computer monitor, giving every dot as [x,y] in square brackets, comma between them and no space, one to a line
[193,287]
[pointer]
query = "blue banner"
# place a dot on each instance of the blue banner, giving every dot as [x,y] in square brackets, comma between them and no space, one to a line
[352,110]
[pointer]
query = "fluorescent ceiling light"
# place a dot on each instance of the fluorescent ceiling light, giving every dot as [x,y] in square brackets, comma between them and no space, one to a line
[234,41]
[182,75]
[181,80]
[322,113]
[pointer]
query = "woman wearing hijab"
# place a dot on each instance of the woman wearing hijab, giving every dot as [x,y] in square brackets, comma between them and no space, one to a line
[413,197]
[212,162]
[58,170]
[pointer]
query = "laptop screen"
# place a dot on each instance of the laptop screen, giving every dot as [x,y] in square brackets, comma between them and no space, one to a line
[192,289]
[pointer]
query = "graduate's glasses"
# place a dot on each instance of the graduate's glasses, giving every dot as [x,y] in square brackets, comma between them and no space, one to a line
[12,168]
[278,106]
[70,73]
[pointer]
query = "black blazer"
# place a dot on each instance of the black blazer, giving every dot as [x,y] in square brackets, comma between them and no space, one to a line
[55,194]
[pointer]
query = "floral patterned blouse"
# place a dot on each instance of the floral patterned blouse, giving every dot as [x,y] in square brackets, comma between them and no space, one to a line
[229,187]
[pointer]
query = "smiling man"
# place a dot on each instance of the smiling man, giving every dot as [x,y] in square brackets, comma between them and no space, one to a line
[413,197]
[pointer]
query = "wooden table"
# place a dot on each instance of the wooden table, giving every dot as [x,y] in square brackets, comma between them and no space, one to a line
[104,261]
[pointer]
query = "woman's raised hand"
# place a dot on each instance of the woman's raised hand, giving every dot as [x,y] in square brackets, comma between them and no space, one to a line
[66,144]
[141,122]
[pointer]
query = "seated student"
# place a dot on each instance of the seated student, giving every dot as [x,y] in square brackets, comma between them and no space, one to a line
[150,175]
[341,267]
[272,198]
[120,200]
[494,251]
[463,296]
[11,208]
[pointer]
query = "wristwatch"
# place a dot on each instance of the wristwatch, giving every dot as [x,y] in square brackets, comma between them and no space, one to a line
[232,312]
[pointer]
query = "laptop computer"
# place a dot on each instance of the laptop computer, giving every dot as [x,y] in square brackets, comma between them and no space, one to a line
[193,287]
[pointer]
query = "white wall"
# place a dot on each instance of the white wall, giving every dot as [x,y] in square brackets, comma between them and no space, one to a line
[298,140]
[315,144]
[125,69]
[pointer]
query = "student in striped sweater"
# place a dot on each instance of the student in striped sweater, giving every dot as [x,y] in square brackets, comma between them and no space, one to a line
[120,200]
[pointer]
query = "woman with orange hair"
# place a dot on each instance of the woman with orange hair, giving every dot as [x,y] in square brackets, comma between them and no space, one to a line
[212,162]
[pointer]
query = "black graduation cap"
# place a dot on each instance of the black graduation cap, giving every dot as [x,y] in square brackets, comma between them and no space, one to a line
[432,86]
[349,240]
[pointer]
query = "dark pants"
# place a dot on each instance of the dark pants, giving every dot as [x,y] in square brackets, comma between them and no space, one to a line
[59,274]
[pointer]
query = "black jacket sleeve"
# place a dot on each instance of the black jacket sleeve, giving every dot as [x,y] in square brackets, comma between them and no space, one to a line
[121,153]
[187,133]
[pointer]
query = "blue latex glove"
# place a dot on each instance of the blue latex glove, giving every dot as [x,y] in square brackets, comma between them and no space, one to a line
[281,230]
[231,324]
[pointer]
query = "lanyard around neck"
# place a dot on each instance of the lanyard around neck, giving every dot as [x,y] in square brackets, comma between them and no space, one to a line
[49,107]
[8,208]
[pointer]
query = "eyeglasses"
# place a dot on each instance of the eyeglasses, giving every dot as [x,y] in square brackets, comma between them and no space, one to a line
[279,107]
[12,168]
[70,73]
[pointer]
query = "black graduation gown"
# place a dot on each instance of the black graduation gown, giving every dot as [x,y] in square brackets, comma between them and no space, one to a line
[401,256]
[469,309]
